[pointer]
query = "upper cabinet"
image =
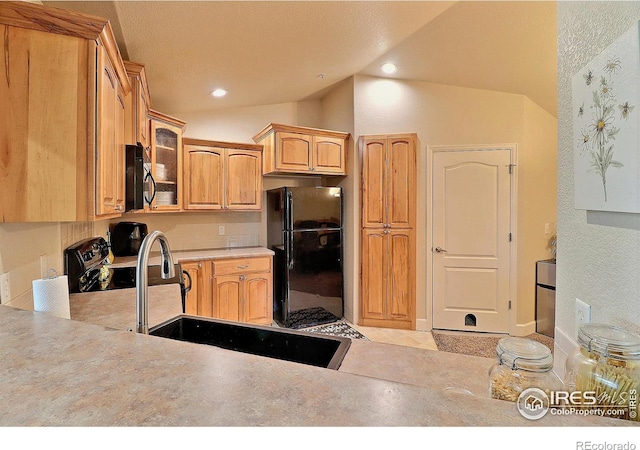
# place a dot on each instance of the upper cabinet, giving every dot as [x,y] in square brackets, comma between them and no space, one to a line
[222,175]
[300,150]
[110,152]
[138,105]
[166,161]
[55,108]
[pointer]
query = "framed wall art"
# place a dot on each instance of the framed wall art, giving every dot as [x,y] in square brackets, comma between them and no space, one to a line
[606,128]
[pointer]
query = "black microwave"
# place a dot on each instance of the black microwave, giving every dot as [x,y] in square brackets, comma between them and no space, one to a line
[140,185]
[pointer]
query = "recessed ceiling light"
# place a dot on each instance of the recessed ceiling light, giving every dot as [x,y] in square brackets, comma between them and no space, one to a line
[219,93]
[388,68]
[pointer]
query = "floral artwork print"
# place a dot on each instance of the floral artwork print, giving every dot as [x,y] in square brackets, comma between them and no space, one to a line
[597,139]
[605,93]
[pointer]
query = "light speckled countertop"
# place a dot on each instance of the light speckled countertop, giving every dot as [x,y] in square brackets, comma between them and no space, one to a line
[65,372]
[195,255]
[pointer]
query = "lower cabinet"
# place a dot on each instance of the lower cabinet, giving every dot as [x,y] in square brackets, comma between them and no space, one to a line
[237,289]
[387,274]
[198,301]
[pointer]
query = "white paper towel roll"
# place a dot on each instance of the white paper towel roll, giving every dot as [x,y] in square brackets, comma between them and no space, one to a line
[51,295]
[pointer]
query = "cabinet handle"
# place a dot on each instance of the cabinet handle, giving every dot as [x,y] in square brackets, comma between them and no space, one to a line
[199,265]
[243,277]
[313,168]
[243,267]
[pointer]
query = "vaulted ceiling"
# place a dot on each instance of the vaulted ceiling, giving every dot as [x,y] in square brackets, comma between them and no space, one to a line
[266,52]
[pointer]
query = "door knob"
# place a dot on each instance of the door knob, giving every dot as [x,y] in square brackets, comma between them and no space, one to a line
[440,250]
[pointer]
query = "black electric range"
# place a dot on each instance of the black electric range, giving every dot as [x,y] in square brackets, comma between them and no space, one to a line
[84,266]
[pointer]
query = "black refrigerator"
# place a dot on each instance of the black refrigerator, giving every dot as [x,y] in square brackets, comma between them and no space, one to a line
[304,229]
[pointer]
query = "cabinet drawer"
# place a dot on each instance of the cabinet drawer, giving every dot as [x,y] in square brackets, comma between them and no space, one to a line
[241,265]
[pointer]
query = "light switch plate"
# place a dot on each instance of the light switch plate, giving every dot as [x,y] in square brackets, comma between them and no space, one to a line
[221,230]
[583,313]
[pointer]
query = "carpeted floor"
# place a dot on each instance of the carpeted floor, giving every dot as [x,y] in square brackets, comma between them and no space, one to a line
[340,328]
[477,345]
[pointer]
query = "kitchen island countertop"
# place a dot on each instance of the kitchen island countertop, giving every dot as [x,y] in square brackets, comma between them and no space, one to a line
[66,372]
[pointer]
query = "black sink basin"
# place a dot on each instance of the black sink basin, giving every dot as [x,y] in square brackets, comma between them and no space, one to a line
[290,345]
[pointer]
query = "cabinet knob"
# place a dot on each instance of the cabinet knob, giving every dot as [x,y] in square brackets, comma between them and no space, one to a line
[243,277]
[199,265]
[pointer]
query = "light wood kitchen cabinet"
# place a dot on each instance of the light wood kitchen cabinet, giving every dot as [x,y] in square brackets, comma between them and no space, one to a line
[222,175]
[388,278]
[238,289]
[388,221]
[166,161]
[110,152]
[198,301]
[301,150]
[243,290]
[138,103]
[52,114]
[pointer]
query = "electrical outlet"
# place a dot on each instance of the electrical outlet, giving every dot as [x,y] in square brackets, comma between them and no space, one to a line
[583,313]
[221,230]
[5,289]
[547,228]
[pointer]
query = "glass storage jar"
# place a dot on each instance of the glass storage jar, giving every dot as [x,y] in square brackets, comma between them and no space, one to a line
[606,367]
[522,363]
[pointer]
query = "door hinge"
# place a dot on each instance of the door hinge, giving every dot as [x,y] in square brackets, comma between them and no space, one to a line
[510,237]
[509,304]
[511,166]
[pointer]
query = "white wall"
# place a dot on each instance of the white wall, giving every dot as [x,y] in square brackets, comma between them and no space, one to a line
[598,252]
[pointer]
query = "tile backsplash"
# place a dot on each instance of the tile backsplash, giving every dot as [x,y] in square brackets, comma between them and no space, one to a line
[72,232]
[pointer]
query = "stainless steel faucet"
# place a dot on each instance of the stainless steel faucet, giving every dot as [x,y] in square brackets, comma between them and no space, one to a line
[142,276]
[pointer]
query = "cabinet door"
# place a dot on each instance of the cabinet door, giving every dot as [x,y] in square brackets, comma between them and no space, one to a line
[401,266]
[293,152]
[374,185]
[142,110]
[243,180]
[198,301]
[400,176]
[374,274]
[329,155]
[106,162]
[120,164]
[166,167]
[227,297]
[256,299]
[204,177]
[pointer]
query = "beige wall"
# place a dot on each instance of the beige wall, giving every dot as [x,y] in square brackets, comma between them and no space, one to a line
[449,115]
[537,200]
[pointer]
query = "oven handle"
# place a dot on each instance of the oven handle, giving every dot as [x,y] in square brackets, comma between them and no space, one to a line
[187,288]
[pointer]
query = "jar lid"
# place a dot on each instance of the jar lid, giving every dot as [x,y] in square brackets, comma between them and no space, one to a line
[525,354]
[609,341]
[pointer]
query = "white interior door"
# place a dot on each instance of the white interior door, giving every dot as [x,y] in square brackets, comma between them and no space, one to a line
[471,242]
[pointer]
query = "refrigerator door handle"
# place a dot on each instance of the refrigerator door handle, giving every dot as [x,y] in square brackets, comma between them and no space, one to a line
[290,258]
[289,210]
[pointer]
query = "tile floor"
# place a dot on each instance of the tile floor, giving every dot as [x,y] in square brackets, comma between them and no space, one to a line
[408,338]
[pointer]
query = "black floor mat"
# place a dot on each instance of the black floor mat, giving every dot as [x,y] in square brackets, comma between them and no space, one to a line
[310,317]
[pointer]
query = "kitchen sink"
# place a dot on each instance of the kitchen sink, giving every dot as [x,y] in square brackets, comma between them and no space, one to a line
[290,345]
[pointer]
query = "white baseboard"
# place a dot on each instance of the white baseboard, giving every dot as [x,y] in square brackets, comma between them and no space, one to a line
[524,329]
[423,325]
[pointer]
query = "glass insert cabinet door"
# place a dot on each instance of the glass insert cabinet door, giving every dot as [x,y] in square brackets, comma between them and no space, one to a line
[166,164]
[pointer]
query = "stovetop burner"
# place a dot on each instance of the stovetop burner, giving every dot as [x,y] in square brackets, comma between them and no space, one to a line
[125,277]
